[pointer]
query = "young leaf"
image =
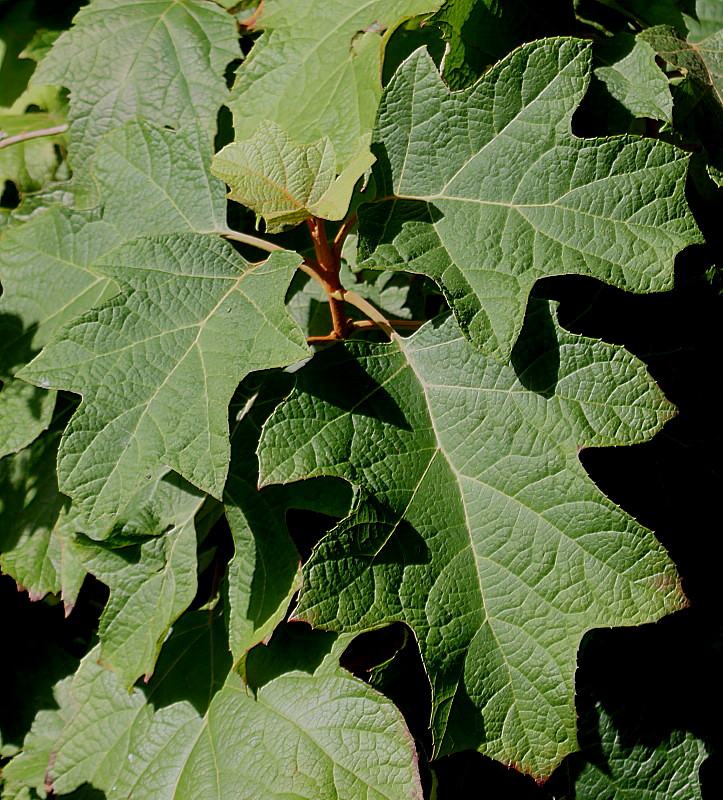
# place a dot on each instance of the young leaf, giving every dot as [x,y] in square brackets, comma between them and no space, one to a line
[309,732]
[30,164]
[158,364]
[162,60]
[480,528]
[517,197]
[325,83]
[286,182]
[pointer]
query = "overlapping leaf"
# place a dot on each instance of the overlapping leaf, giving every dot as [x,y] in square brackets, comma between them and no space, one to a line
[162,60]
[151,584]
[310,731]
[158,364]
[318,70]
[488,190]
[481,529]
[37,546]
[263,574]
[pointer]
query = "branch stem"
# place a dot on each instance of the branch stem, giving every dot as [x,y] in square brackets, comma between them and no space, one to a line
[23,137]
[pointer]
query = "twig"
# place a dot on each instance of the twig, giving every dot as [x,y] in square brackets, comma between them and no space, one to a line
[254,241]
[23,137]
[251,21]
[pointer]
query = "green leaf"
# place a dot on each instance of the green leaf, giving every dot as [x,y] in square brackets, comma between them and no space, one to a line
[155,180]
[626,66]
[481,32]
[651,12]
[615,764]
[325,83]
[45,268]
[158,364]
[162,60]
[478,526]
[37,546]
[707,20]
[286,182]
[310,731]
[263,574]
[517,197]
[151,585]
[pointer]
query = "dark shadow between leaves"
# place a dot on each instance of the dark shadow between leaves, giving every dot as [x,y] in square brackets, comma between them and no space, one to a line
[536,355]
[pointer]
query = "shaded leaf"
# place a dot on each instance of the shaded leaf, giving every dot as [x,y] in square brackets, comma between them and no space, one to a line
[517,197]
[478,526]
[157,366]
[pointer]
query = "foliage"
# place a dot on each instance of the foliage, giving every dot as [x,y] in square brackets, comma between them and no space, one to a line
[336,422]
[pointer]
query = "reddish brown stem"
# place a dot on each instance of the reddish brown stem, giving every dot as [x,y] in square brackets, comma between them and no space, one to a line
[329,265]
[251,21]
[342,233]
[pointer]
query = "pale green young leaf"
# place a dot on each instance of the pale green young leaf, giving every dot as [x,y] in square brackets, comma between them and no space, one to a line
[162,60]
[37,545]
[517,197]
[285,182]
[706,20]
[478,526]
[151,585]
[30,164]
[318,69]
[158,364]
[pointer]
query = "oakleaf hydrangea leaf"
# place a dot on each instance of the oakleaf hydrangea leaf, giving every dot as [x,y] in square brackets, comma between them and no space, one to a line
[478,525]
[151,584]
[45,269]
[155,180]
[481,32]
[37,545]
[285,182]
[31,164]
[517,197]
[318,69]
[162,60]
[307,732]
[158,364]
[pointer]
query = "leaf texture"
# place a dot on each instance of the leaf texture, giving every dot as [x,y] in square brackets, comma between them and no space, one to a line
[478,526]
[488,190]
[158,364]
[311,732]
[162,60]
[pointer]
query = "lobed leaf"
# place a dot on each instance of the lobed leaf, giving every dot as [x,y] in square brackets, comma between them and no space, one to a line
[486,190]
[158,364]
[478,526]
